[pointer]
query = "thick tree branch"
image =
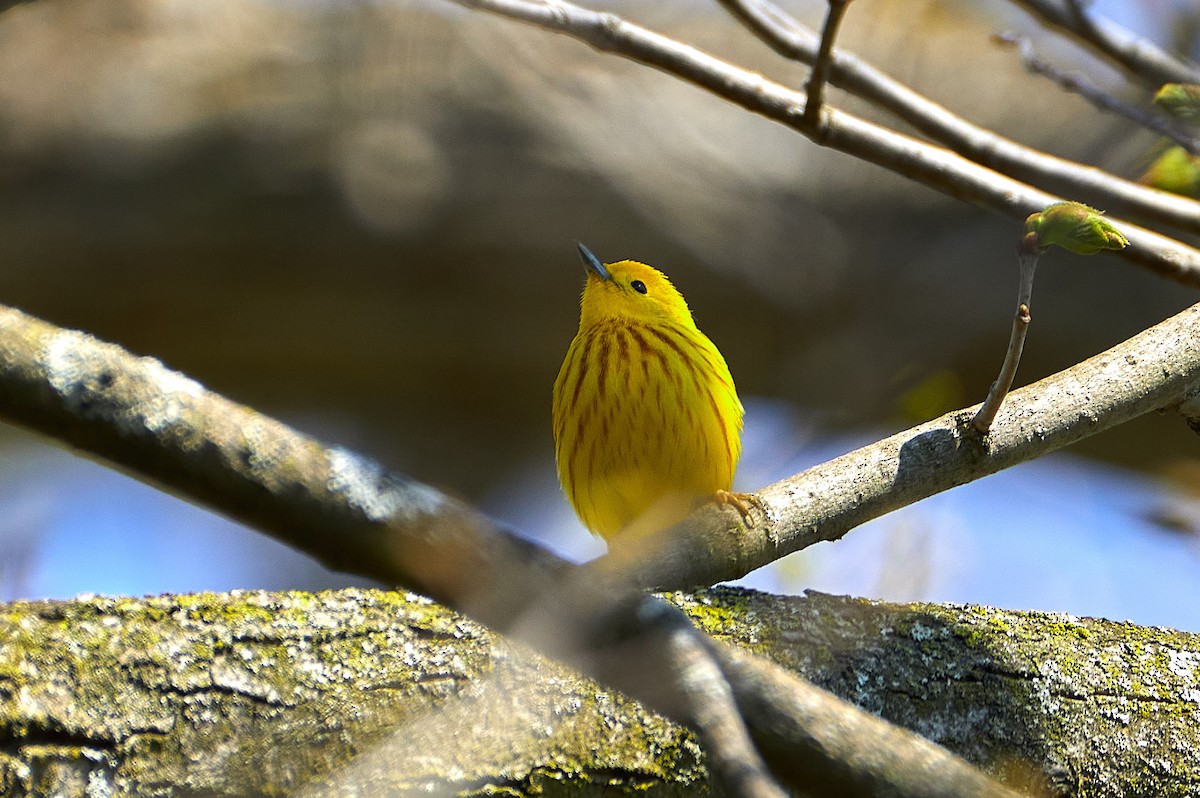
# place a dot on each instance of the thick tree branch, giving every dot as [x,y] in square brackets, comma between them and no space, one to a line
[788,37]
[119,696]
[931,166]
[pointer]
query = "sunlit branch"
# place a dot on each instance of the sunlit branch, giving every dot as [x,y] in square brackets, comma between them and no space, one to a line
[981,422]
[1155,370]
[815,89]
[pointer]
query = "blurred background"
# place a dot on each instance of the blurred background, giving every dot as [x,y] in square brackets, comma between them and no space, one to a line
[360,217]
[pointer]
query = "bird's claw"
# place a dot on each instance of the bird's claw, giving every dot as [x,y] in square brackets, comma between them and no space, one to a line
[742,502]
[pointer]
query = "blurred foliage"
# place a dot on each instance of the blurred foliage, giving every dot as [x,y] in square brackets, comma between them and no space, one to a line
[937,393]
[1176,170]
[1180,100]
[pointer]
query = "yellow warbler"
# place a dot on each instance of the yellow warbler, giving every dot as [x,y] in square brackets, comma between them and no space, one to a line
[646,418]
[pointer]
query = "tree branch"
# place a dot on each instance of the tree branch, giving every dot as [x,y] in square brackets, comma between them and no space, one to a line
[732,755]
[931,166]
[982,421]
[815,89]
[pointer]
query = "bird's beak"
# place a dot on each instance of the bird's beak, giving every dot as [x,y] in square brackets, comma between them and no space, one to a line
[592,263]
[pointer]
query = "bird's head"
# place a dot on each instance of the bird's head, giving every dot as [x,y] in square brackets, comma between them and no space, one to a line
[631,291]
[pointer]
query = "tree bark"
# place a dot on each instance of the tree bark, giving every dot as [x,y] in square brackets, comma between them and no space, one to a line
[375,693]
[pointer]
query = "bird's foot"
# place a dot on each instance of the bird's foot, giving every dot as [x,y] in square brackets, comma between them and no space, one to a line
[742,502]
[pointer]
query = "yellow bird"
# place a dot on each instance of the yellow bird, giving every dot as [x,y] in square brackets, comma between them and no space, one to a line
[646,419]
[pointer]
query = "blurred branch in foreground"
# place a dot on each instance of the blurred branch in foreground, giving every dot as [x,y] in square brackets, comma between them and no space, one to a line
[354,516]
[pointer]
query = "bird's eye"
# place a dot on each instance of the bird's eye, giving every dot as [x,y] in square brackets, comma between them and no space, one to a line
[639,286]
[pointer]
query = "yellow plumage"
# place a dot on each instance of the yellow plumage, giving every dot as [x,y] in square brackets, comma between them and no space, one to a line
[646,418]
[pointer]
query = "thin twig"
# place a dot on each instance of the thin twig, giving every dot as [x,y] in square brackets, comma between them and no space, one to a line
[1151,65]
[982,421]
[1028,254]
[816,83]
[1080,85]
[791,39]
[929,165]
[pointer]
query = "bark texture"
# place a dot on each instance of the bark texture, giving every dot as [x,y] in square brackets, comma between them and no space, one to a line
[375,693]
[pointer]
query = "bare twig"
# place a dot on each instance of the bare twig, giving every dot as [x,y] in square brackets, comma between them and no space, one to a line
[1028,254]
[791,39]
[1078,84]
[1139,57]
[356,517]
[931,166]
[983,418]
[820,71]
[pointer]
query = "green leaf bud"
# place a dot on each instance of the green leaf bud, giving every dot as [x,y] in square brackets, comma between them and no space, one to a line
[1176,170]
[1073,226]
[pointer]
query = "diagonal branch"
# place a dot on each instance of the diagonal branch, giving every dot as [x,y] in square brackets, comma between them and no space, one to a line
[926,164]
[732,754]
[791,39]
[354,516]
